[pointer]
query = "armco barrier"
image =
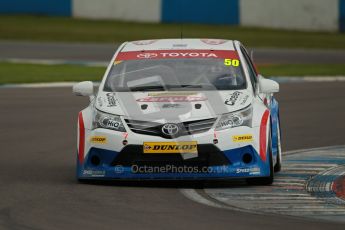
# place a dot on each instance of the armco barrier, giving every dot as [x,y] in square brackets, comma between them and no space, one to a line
[342,15]
[201,11]
[314,15]
[44,7]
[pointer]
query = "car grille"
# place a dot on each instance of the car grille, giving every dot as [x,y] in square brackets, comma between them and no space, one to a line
[155,128]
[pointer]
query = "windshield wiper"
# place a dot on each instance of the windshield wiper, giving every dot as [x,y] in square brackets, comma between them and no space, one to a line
[148,88]
[201,86]
[191,86]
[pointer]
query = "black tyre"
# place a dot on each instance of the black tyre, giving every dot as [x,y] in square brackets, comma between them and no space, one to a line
[278,165]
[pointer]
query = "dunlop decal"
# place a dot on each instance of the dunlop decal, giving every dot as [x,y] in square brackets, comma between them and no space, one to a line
[242,138]
[98,140]
[170,147]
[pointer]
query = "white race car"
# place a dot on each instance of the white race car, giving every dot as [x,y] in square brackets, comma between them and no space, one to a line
[181,109]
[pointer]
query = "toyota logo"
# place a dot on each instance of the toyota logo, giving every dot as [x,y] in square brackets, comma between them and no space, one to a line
[170,129]
[147,55]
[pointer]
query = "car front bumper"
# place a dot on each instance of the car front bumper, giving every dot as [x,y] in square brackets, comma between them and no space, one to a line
[128,164]
[109,158]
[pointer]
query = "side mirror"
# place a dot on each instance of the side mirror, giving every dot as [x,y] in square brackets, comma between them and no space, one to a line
[268,86]
[84,88]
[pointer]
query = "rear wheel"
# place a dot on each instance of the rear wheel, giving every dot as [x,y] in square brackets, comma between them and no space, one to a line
[265,180]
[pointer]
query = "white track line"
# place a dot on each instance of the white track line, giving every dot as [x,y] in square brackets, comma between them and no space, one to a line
[44,85]
[293,202]
[54,62]
[193,195]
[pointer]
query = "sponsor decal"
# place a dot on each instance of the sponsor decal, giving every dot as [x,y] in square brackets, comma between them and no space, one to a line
[170,129]
[101,101]
[213,41]
[242,138]
[170,147]
[107,122]
[233,98]
[251,171]
[171,106]
[117,62]
[147,55]
[112,101]
[172,99]
[172,94]
[94,173]
[144,42]
[98,140]
[244,100]
[180,45]
[175,54]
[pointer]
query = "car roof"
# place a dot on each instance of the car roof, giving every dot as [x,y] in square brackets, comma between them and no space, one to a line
[179,44]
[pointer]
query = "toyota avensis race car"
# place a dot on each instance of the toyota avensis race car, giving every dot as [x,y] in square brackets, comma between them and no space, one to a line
[180,109]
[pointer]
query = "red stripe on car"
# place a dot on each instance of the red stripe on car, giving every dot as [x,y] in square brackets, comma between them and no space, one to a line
[338,187]
[176,54]
[81,138]
[263,135]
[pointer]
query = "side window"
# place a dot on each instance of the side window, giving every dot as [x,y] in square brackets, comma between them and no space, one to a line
[250,68]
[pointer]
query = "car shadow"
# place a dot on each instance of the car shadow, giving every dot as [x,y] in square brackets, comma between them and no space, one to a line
[179,184]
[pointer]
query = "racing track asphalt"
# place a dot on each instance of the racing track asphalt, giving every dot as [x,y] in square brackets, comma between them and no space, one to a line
[103,53]
[38,189]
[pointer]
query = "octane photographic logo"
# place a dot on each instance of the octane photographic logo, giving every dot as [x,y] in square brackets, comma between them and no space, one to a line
[119,169]
[143,169]
[170,129]
[147,55]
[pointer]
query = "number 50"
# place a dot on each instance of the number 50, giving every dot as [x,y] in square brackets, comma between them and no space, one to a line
[231,62]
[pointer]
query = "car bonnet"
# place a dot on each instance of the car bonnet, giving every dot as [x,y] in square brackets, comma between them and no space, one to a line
[173,105]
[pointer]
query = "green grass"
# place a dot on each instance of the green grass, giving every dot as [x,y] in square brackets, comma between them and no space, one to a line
[30,73]
[61,29]
[303,70]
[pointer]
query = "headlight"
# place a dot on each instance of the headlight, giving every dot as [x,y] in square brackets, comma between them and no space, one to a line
[236,119]
[107,121]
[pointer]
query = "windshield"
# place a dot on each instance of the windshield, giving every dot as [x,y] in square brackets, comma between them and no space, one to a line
[175,75]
